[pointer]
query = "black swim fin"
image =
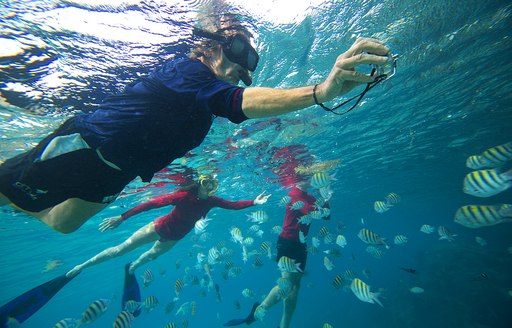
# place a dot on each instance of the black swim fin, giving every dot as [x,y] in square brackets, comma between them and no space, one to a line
[25,305]
[250,318]
[131,290]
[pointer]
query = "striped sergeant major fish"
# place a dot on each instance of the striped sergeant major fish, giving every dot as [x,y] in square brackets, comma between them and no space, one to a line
[338,281]
[392,198]
[321,180]
[95,310]
[286,264]
[260,216]
[200,225]
[171,325]
[147,277]
[491,158]
[297,205]
[329,265]
[498,155]
[285,200]
[486,183]
[477,216]
[150,303]
[400,240]
[445,234]
[265,248]
[381,206]
[178,286]
[370,237]
[362,291]
[236,235]
[213,255]
[132,306]
[65,323]
[428,229]
[123,320]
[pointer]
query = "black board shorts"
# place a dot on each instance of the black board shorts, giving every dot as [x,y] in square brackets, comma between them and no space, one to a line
[292,249]
[37,185]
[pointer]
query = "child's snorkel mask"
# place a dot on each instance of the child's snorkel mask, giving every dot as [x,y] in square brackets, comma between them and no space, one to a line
[209,183]
[236,47]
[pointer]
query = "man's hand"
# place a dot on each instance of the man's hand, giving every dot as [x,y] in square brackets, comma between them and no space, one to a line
[344,77]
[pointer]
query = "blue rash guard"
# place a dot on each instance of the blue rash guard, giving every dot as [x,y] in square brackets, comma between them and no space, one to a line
[160,117]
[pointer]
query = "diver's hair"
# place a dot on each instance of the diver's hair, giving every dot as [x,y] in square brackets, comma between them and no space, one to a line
[189,185]
[207,47]
[193,184]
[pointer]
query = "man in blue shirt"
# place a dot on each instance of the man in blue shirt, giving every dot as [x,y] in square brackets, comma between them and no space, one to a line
[82,166]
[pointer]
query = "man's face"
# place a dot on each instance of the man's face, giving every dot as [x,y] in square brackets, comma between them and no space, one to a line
[231,72]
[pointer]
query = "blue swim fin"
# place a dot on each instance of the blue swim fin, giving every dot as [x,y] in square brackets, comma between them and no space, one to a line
[25,305]
[250,318]
[131,290]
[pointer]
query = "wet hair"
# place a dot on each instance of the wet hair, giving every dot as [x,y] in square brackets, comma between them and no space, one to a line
[189,185]
[229,26]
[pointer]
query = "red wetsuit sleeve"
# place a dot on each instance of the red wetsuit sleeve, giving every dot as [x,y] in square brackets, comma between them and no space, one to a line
[152,204]
[229,205]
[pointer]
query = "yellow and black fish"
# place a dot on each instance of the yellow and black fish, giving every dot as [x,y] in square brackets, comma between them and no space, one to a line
[178,286]
[498,155]
[392,198]
[123,320]
[287,264]
[371,237]
[362,292]
[477,216]
[486,183]
[64,323]
[338,281]
[151,302]
[380,206]
[491,158]
[94,311]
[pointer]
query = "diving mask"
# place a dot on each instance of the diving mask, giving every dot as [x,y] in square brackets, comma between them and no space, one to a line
[210,184]
[236,47]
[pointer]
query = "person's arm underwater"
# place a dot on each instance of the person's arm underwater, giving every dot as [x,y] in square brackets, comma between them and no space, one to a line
[114,222]
[265,102]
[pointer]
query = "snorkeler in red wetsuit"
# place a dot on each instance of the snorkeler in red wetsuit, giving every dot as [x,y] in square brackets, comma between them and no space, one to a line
[191,203]
[292,245]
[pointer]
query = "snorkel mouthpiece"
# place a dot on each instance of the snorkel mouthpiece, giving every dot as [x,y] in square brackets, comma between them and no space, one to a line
[246,78]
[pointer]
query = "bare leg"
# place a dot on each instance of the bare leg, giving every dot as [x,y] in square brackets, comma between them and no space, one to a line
[291,301]
[65,217]
[142,236]
[273,297]
[158,249]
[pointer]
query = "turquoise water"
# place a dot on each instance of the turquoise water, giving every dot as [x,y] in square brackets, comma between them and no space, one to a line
[411,135]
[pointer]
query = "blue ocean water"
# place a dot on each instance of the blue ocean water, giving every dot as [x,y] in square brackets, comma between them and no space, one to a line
[411,135]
